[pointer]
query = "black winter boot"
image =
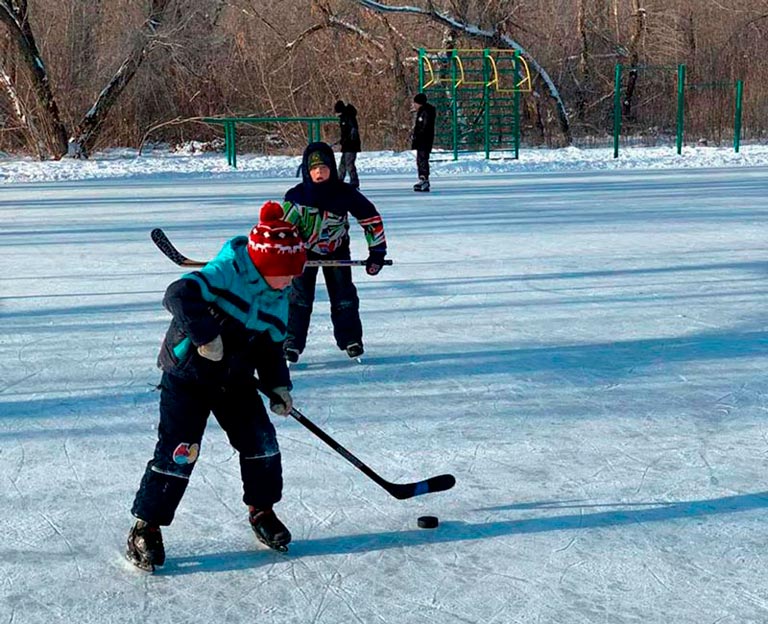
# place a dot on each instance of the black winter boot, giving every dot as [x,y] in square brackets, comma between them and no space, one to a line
[145,546]
[268,529]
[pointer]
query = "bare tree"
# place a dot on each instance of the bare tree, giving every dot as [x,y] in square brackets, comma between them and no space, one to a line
[47,130]
[85,134]
[44,123]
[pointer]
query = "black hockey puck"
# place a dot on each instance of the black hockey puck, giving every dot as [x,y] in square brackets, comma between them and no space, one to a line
[428,522]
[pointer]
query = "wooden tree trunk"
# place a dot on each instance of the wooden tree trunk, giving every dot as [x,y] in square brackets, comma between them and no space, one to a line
[584,69]
[49,134]
[634,57]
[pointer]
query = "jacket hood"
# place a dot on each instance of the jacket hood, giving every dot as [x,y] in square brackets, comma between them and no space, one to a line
[329,158]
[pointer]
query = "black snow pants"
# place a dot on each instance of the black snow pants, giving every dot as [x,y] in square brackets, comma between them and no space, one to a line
[347,165]
[422,163]
[345,305]
[184,410]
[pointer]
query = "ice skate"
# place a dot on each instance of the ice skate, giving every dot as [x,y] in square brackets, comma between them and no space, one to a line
[355,350]
[145,547]
[268,529]
[422,186]
[291,355]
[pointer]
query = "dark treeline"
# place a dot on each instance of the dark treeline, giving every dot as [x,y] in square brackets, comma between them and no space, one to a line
[118,72]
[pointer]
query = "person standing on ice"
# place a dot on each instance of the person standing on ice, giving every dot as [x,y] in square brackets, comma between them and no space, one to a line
[349,141]
[319,208]
[422,138]
[229,323]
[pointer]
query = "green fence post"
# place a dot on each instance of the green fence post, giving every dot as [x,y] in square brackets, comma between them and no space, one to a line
[516,103]
[422,54]
[680,107]
[616,109]
[486,103]
[226,143]
[234,145]
[230,140]
[737,119]
[454,107]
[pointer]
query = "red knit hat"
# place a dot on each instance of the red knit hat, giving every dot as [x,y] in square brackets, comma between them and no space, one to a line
[274,245]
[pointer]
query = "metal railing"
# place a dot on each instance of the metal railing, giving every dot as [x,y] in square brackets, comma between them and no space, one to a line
[230,129]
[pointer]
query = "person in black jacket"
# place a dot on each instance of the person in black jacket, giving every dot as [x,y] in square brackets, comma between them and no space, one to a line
[349,141]
[319,208]
[229,322]
[423,137]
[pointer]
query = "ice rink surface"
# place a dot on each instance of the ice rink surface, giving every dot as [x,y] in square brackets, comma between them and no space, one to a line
[584,351]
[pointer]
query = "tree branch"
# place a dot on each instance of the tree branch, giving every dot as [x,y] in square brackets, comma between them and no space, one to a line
[491,36]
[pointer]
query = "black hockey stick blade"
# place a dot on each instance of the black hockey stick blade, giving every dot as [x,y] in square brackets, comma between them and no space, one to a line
[173,254]
[164,244]
[401,491]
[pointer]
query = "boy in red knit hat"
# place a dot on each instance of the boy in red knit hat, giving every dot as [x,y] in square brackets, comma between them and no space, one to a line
[229,323]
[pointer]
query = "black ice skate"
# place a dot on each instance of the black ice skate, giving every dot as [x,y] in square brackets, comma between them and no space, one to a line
[268,529]
[145,547]
[422,186]
[354,350]
[291,355]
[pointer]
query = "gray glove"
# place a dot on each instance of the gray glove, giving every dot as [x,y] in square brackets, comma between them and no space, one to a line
[213,350]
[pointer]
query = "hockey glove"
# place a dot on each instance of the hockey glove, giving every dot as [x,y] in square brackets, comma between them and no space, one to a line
[375,262]
[280,401]
[213,350]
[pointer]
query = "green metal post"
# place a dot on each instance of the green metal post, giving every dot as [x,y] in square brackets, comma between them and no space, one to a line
[616,110]
[680,107]
[516,104]
[486,103]
[230,141]
[737,120]
[234,144]
[454,107]
[226,143]
[422,54]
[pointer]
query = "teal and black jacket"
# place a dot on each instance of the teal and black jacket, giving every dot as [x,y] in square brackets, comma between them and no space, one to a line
[227,297]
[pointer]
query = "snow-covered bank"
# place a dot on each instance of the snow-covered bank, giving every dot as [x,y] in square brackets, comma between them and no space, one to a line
[126,163]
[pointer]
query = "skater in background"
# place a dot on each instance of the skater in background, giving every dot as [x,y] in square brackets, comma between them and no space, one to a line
[422,138]
[319,208]
[229,322]
[349,141]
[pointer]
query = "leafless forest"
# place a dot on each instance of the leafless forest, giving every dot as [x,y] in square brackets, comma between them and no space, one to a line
[81,75]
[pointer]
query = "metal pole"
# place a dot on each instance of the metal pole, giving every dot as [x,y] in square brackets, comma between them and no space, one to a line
[487,104]
[227,143]
[234,145]
[616,110]
[680,107]
[737,120]
[422,54]
[516,103]
[454,107]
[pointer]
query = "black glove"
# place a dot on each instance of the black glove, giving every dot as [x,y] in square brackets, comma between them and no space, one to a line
[375,262]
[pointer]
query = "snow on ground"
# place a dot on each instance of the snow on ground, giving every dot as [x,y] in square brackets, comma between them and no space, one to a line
[125,163]
[583,349]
